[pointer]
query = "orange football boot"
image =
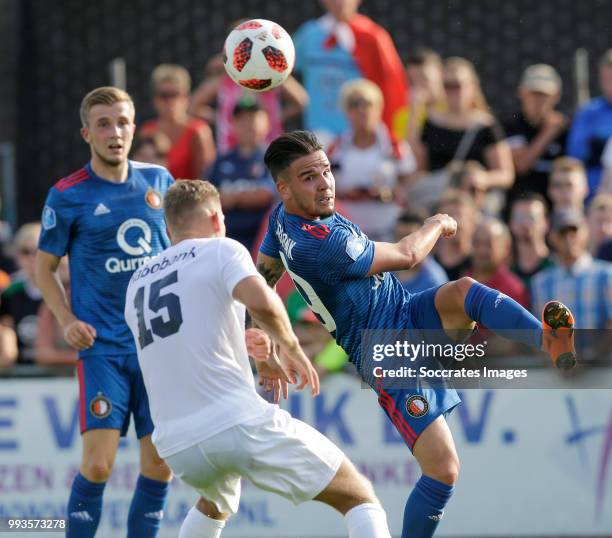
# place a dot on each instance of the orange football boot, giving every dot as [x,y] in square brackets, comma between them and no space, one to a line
[558,334]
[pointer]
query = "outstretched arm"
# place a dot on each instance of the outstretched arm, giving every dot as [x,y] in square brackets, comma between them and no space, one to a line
[413,248]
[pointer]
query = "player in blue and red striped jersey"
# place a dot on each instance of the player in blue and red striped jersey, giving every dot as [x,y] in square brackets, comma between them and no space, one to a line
[108,218]
[347,281]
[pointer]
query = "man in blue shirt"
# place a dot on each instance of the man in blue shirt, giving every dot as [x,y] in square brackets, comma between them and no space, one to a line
[245,186]
[107,217]
[346,280]
[583,283]
[592,126]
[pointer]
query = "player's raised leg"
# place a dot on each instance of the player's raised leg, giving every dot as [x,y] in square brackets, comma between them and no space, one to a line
[436,453]
[85,502]
[149,500]
[464,301]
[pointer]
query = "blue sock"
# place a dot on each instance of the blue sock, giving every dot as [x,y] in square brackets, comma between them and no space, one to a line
[84,507]
[147,508]
[503,314]
[425,507]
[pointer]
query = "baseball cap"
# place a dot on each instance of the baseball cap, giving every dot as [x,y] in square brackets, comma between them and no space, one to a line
[541,78]
[297,309]
[248,103]
[566,218]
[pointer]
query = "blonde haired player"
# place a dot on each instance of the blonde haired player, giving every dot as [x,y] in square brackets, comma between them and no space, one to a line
[108,217]
[186,310]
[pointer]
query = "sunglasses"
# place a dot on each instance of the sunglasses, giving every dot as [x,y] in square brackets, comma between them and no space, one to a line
[452,85]
[357,102]
[166,96]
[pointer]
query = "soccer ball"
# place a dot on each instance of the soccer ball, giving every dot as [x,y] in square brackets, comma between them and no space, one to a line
[258,55]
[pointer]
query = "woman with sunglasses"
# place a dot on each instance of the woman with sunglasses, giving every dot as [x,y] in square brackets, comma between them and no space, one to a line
[368,163]
[192,148]
[465,131]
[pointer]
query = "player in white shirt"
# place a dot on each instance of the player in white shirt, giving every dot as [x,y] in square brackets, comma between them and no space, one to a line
[186,310]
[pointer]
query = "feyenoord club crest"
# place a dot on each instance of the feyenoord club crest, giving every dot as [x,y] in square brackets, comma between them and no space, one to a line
[417,406]
[153,199]
[100,406]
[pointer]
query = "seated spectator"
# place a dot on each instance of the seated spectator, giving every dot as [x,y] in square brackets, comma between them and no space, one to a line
[424,70]
[465,131]
[368,164]
[529,226]
[50,346]
[567,187]
[592,127]
[537,134]
[217,95]
[576,279]
[454,253]
[424,275]
[192,148]
[491,250]
[340,46]
[599,218]
[20,302]
[152,149]
[468,178]
[246,188]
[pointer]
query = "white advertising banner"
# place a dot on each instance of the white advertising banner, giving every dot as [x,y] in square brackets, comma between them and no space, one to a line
[534,462]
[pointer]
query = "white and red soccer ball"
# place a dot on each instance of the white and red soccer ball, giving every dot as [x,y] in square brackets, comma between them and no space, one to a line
[258,55]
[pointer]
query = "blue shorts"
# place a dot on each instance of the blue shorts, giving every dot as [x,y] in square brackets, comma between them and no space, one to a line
[412,410]
[110,389]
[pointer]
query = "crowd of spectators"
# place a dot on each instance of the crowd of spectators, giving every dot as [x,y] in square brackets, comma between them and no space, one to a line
[532,193]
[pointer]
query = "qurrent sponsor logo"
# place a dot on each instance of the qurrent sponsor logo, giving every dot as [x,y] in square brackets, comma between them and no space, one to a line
[139,245]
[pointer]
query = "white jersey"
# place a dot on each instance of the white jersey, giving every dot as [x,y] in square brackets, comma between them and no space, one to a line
[189,333]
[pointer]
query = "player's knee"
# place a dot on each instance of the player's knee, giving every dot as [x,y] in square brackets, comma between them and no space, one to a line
[446,471]
[363,491]
[210,510]
[96,470]
[349,488]
[463,285]
[157,469]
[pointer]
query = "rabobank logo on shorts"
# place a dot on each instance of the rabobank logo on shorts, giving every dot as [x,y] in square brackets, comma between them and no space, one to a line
[134,238]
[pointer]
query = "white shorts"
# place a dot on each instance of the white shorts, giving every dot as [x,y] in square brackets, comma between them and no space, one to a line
[276,452]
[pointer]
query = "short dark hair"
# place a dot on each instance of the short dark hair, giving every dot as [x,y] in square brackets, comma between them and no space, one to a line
[422,56]
[606,59]
[531,196]
[413,216]
[288,147]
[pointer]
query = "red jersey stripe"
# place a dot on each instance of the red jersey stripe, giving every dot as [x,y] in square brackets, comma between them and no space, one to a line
[71,181]
[82,396]
[78,173]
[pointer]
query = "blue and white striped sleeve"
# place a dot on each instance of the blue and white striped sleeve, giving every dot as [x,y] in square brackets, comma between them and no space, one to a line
[345,255]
